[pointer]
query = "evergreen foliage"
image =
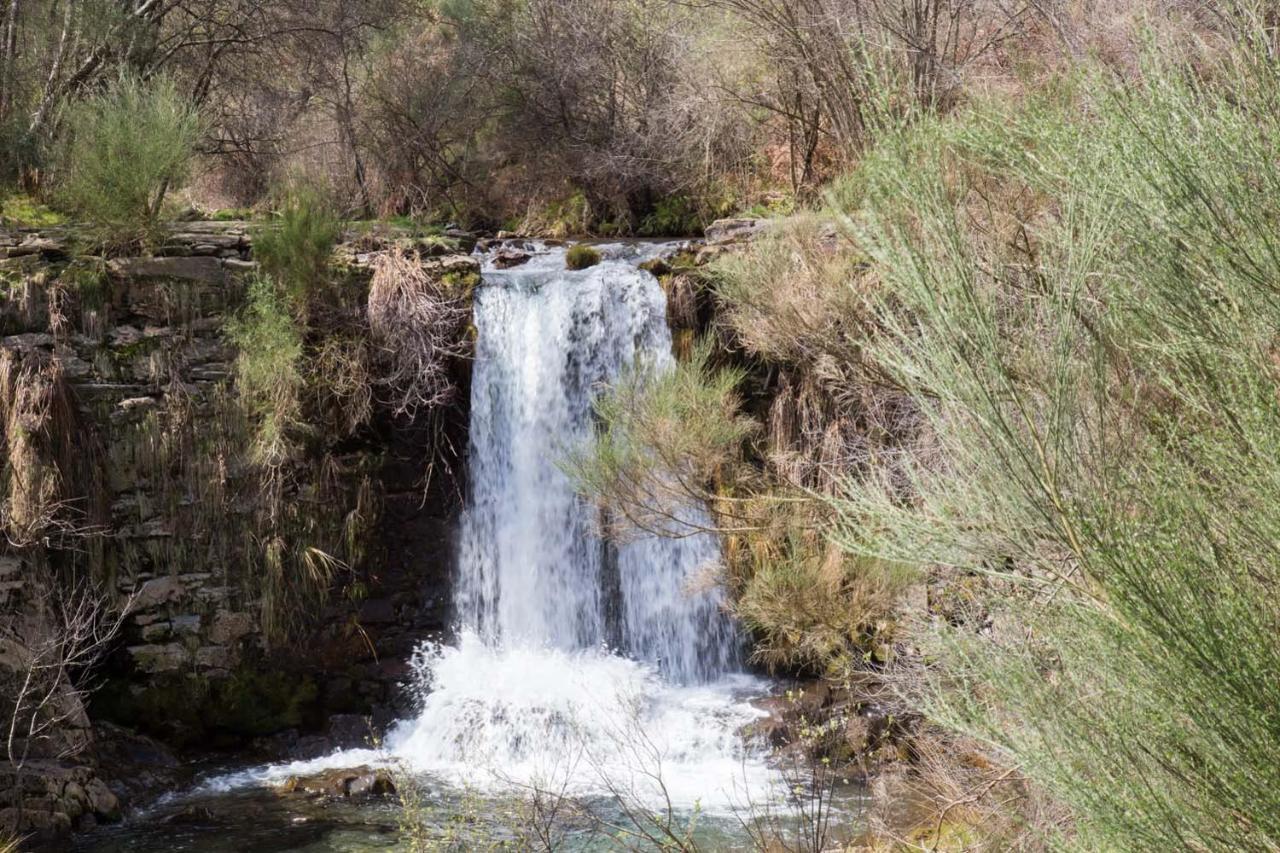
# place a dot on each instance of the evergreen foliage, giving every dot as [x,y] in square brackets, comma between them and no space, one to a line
[1080,296]
[124,150]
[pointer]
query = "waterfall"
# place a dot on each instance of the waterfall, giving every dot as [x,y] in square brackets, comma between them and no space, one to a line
[579,662]
[532,569]
[580,666]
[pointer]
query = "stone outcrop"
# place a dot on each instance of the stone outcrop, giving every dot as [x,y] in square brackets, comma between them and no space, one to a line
[141,348]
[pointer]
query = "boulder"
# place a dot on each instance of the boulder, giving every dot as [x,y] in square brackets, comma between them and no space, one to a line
[28,341]
[735,229]
[508,258]
[238,266]
[229,626]
[353,782]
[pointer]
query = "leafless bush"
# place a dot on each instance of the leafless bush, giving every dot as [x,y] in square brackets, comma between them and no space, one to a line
[61,633]
[418,330]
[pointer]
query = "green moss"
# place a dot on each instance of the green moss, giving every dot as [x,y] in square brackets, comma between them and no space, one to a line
[22,211]
[88,277]
[674,216]
[460,283]
[232,214]
[260,703]
[559,218]
[580,257]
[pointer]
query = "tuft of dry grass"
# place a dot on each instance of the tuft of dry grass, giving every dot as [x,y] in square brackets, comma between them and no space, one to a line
[52,475]
[811,605]
[346,391]
[954,795]
[418,329]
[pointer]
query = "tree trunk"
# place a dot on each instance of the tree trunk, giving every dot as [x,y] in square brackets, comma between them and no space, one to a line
[8,49]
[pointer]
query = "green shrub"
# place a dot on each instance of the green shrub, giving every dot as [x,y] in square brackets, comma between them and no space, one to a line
[269,377]
[674,216]
[663,439]
[296,248]
[1081,299]
[581,257]
[124,150]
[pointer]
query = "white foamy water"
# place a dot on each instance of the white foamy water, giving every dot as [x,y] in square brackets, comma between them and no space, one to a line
[532,569]
[581,666]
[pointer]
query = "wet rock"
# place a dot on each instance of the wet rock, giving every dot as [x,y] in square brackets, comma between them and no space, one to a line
[354,782]
[135,767]
[377,611]
[508,258]
[104,803]
[159,591]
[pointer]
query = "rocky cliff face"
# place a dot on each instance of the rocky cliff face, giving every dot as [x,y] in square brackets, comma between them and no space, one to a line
[127,474]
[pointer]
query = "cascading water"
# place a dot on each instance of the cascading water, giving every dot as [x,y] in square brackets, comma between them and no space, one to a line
[532,570]
[580,665]
[580,662]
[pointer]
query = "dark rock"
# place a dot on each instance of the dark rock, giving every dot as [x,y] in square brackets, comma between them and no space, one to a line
[345,731]
[508,258]
[28,341]
[36,245]
[657,266]
[377,611]
[466,239]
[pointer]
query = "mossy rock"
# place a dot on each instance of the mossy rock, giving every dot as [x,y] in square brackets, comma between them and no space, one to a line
[656,266]
[581,257]
[87,276]
[460,284]
[187,710]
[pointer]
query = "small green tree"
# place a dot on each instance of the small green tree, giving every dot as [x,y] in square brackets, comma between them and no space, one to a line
[123,150]
[296,247]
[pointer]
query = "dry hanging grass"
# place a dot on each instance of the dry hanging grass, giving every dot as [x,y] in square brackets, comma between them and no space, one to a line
[49,459]
[418,331]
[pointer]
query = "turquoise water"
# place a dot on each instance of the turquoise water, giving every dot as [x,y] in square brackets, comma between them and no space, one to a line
[259,820]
